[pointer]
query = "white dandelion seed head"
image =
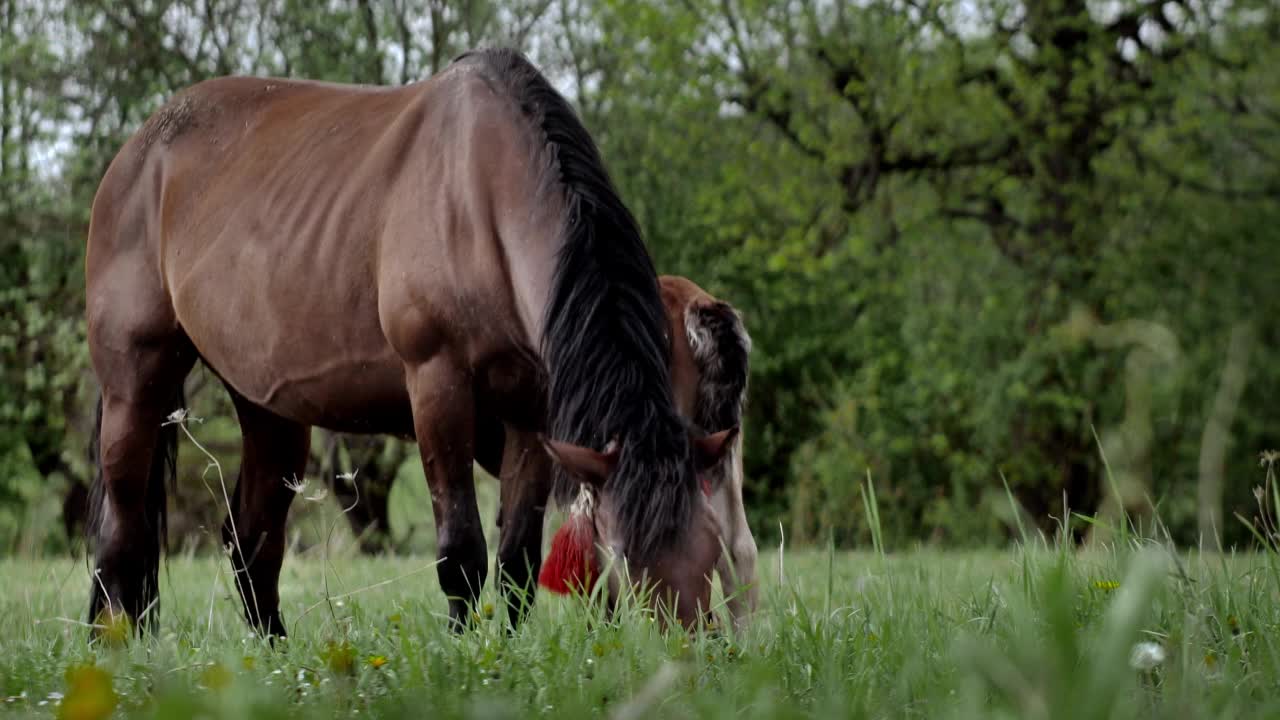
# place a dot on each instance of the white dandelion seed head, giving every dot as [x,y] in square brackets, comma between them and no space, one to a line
[296,484]
[320,494]
[1146,656]
[177,416]
[349,477]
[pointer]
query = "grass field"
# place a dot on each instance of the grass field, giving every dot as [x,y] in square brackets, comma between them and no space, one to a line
[1023,633]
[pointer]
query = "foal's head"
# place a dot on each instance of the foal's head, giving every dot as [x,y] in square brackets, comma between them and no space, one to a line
[678,573]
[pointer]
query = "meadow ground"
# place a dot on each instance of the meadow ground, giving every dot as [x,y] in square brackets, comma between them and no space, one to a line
[1023,633]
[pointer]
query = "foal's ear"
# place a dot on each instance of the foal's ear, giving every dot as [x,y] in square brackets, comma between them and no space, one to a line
[588,465]
[711,449]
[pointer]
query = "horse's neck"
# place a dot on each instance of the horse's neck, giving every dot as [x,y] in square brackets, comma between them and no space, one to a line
[531,248]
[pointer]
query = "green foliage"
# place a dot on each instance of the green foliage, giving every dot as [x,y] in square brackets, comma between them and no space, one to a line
[942,223]
[970,240]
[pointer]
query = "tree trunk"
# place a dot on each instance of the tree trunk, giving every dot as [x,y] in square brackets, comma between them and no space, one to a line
[373,69]
[1217,434]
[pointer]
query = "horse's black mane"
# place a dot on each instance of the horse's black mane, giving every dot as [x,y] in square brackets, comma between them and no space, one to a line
[603,338]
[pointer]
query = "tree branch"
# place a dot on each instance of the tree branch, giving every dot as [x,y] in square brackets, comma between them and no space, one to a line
[374,58]
[1269,192]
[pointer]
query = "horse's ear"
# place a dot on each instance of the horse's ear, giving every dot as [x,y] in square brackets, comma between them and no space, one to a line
[711,449]
[591,466]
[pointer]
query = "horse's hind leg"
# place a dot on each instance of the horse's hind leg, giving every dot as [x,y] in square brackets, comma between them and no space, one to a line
[526,484]
[275,450]
[140,387]
[444,423]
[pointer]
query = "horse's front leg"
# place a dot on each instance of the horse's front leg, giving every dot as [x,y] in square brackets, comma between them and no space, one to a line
[444,423]
[526,484]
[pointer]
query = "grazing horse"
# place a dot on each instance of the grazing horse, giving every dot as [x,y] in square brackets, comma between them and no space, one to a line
[446,261]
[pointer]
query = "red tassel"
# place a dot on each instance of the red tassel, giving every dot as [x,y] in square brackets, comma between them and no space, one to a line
[572,562]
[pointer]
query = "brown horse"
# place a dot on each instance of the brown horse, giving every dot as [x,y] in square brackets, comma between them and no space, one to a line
[447,261]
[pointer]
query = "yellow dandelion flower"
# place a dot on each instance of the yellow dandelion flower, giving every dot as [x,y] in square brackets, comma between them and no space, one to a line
[215,677]
[488,610]
[89,694]
[377,661]
[1106,585]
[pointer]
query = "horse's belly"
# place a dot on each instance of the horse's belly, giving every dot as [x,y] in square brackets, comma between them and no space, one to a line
[312,370]
[362,396]
[367,398]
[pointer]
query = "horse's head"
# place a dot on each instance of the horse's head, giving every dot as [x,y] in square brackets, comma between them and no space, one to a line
[678,575]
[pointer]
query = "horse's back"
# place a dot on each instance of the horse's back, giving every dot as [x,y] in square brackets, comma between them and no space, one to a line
[212,145]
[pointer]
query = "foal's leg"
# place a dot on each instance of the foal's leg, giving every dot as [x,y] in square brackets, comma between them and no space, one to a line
[737,564]
[444,423]
[526,484]
[275,449]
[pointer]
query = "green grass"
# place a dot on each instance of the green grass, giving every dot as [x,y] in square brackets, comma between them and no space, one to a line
[1022,634]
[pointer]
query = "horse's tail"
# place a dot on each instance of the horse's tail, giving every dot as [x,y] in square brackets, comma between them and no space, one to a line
[721,349]
[164,471]
[93,522]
